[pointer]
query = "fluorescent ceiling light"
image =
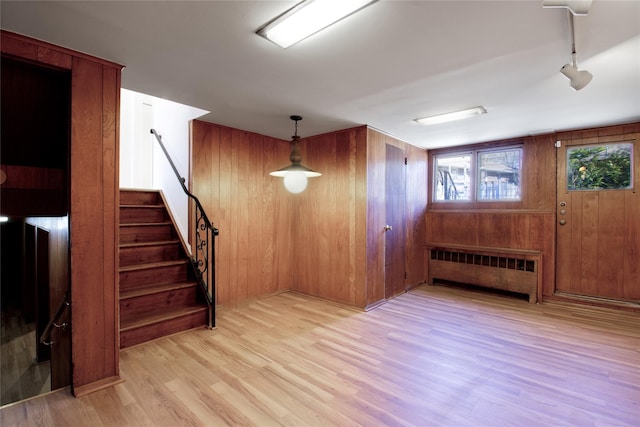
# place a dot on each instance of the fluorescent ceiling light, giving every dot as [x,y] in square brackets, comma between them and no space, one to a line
[449,117]
[308,17]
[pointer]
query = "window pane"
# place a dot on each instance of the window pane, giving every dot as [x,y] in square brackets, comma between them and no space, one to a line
[499,174]
[452,177]
[599,167]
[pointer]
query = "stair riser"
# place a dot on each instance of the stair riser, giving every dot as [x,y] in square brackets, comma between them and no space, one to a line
[144,255]
[184,297]
[150,276]
[160,329]
[133,215]
[140,198]
[146,233]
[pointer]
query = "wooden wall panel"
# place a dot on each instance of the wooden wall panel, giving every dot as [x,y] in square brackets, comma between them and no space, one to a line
[94,214]
[417,188]
[528,224]
[322,242]
[93,206]
[58,228]
[230,176]
[330,213]
[376,216]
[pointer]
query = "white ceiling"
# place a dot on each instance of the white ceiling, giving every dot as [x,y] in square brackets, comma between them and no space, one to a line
[383,66]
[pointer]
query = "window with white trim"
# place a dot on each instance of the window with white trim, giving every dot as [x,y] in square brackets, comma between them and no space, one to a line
[492,174]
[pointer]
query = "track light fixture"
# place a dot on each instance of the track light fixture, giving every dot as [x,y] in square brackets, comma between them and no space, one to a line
[577,7]
[579,79]
[295,175]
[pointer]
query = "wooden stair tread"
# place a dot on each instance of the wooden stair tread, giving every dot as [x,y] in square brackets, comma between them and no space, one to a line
[158,316]
[144,224]
[154,289]
[153,265]
[158,294]
[148,244]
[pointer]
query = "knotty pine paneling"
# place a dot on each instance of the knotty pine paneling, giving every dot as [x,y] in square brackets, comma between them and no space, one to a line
[95,98]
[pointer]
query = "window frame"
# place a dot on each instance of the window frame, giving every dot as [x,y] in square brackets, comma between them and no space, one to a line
[480,151]
[474,200]
[434,190]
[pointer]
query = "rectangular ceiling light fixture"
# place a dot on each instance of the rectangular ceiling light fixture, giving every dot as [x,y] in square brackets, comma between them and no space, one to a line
[307,18]
[449,117]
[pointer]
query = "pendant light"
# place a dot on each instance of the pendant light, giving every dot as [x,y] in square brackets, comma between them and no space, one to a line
[295,175]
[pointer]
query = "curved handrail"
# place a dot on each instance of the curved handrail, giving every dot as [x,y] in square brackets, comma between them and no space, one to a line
[203,259]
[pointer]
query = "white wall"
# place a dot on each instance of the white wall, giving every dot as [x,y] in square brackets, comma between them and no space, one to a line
[143,165]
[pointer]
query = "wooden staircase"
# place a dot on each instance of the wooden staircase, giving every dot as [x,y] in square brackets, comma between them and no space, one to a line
[159,294]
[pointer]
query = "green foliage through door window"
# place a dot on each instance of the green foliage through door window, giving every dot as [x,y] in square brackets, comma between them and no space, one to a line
[599,167]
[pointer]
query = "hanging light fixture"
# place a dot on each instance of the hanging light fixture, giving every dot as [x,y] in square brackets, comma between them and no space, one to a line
[295,175]
[578,79]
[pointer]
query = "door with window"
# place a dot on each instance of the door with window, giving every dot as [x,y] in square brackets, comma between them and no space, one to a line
[598,218]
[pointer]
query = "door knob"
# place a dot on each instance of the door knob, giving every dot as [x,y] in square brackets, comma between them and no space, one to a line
[562,222]
[388,228]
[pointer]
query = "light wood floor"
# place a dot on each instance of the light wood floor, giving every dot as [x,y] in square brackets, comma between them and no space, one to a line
[433,357]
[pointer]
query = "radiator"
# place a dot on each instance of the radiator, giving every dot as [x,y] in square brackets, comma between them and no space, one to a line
[504,269]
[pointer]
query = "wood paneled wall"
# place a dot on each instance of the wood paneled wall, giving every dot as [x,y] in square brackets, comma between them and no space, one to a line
[330,227]
[58,228]
[528,224]
[252,210]
[415,207]
[95,98]
[319,242]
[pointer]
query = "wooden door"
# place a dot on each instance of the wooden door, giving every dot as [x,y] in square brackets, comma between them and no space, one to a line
[394,265]
[598,218]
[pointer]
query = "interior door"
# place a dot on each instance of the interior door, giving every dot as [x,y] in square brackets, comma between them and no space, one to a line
[395,227]
[598,218]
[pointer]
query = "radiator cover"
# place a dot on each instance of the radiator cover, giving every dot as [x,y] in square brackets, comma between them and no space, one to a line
[504,269]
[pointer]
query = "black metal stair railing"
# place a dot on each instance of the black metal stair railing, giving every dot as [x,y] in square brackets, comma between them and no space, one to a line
[203,257]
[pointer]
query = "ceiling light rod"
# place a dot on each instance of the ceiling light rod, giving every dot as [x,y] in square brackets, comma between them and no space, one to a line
[579,79]
[307,18]
[577,7]
[449,117]
[295,175]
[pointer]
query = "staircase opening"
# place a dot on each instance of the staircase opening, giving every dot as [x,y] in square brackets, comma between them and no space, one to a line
[159,292]
[35,134]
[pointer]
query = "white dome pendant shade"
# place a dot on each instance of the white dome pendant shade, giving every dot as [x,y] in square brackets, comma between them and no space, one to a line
[295,175]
